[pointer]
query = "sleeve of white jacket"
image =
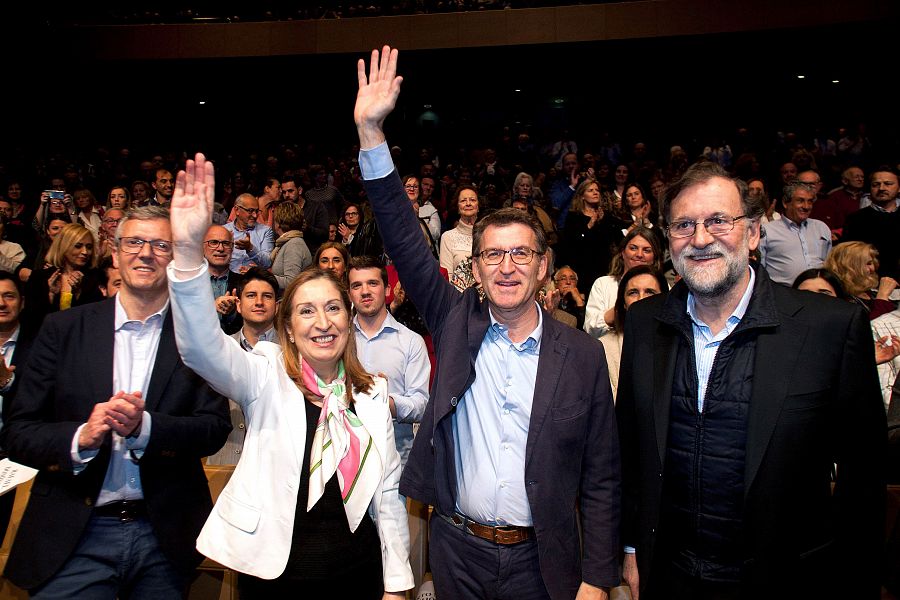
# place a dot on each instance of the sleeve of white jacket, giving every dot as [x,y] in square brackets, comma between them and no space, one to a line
[597,305]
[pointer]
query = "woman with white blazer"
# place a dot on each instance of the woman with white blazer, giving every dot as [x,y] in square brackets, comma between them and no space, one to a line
[313,504]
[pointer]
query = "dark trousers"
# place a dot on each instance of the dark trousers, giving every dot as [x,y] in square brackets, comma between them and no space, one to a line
[115,560]
[465,566]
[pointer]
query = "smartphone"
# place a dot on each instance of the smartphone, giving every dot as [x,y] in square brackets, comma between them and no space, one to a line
[55,194]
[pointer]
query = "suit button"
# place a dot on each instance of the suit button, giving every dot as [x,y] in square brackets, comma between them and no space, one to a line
[453,401]
[88,501]
[241,426]
[653,531]
[531,482]
[237,451]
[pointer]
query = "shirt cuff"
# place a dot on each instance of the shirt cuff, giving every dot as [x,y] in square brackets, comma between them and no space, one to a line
[80,459]
[203,270]
[630,550]
[138,444]
[376,163]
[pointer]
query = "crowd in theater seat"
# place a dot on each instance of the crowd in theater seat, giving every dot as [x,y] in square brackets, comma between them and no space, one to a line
[831,225]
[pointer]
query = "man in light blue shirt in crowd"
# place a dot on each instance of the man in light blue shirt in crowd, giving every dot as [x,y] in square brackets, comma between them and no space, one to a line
[253,242]
[795,243]
[387,347]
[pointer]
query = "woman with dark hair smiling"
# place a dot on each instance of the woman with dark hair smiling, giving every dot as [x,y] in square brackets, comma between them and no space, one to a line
[636,284]
[640,247]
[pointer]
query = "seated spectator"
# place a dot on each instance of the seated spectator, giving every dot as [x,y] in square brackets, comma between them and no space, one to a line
[856,265]
[879,222]
[638,283]
[86,211]
[118,197]
[524,190]
[456,244]
[291,255]
[428,212]
[109,224]
[70,280]
[256,305]
[796,242]
[841,202]
[571,300]
[217,249]
[12,256]
[253,241]
[17,232]
[756,188]
[333,256]
[820,281]
[53,208]
[591,234]
[109,280]
[140,193]
[640,247]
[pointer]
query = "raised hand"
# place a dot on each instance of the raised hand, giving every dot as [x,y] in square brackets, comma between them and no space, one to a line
[191,211]
[377,95]
[226,304]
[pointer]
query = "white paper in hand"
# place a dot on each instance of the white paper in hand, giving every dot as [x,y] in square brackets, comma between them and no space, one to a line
[13,474]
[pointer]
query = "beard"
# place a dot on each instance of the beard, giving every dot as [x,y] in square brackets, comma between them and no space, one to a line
[708,282]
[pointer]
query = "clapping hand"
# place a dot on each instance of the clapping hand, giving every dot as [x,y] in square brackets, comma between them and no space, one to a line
[226,304]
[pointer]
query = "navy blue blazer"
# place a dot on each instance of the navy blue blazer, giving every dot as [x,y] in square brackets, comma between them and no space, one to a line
[572,452]
[69,370]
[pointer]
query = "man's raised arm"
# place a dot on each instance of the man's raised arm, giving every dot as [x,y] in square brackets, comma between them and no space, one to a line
[397,221]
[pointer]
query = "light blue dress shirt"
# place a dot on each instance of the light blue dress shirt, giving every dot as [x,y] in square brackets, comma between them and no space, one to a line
[490,428]
[788,249]
[706,345]
[490,424]
[134,356]
[400,354]
[263,240]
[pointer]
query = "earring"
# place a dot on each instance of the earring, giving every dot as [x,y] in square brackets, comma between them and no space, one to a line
[291,338]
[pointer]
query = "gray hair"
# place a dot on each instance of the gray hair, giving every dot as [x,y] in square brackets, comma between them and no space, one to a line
[144,213]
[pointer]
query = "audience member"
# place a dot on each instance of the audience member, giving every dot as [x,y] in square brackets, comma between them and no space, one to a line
[387,347]
[163,185]
[636,284]
[639,247]
[256,294]
[333,256]
[795,243]
[879,222]
[217,249]
[291,254]
[456,243]
[841,202]
[253,241]
[315,216]
[856,265]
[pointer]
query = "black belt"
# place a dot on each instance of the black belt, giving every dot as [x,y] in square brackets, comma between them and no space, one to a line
[503,534]
[123,510]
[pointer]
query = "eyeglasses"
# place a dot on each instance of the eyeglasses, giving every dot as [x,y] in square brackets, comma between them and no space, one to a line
[713,226]
[566,278]
[133,245]
[412,186]
[213,244]
[252,211]
[520,256]
[351,214]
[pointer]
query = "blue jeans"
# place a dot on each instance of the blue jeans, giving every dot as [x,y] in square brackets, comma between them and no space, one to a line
[115,559]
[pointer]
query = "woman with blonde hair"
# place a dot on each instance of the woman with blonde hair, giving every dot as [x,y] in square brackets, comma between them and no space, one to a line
[313,506]
[856,265]
[70,279]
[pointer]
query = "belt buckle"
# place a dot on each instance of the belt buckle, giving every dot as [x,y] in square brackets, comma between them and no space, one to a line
[126,512]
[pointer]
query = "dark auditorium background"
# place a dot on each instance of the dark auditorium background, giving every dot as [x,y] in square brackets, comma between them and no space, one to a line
[664,72]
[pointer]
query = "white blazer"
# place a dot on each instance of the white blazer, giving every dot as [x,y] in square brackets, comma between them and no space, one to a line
[251,527]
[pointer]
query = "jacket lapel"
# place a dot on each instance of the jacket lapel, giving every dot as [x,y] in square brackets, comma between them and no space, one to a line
[164,365]
[770,381]
[665,351]
[99,338]
[550,363]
